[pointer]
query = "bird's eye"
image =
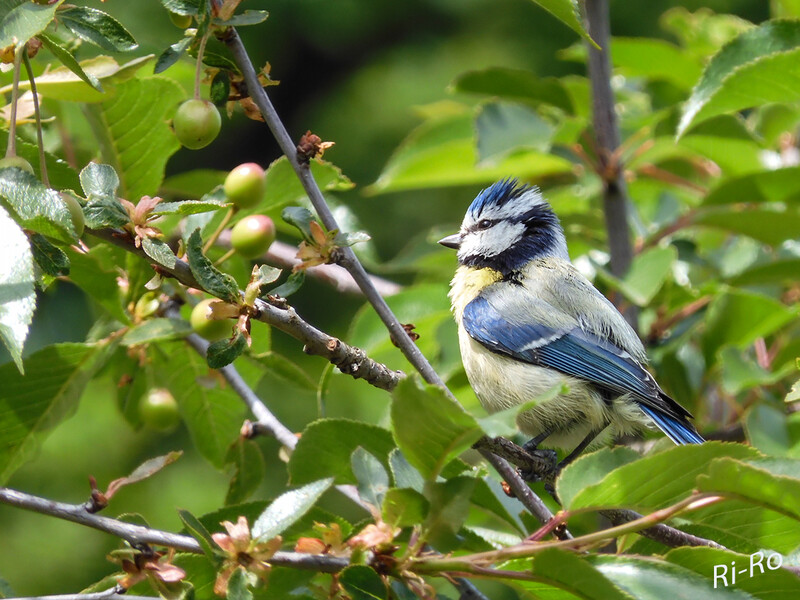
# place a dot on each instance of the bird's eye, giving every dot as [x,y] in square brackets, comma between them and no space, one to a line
[485,224]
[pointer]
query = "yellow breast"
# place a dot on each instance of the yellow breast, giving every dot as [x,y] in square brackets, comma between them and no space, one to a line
[467,283]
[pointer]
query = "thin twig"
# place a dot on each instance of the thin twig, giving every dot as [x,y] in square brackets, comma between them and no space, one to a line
[606,130]
[38,115]
[11,148]
[138,534]
[113,593]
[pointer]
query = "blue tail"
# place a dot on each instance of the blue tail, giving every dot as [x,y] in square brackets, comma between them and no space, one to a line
[679,431]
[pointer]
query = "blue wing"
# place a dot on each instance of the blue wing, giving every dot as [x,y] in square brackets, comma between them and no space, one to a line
[583,355]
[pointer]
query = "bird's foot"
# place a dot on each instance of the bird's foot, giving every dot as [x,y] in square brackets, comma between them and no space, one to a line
[543,467]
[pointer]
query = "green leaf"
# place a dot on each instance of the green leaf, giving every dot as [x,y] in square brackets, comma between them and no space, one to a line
[449,508]
[288,371]
[96,274]
[200,571]
[780,185]
[647,274]
[133,132]
[198,531]
[326,445]
[363,583]
[759,66]
[768,224]
[568,12]
[34,206]
[249,466]
[23,19]
[769,482]
[220,89]
[651,579]
[441,152]
[212,414]
[156,330]
[248,17]
[372,478]
[404,507]
[655,59]
[62,176]
[63,84]
[188,207]
[288,508]
[223,352]
[769,430]
[738,318]
[100,184]
[51,259]
[34,404]
[430,428]
[283,187]
[503,127]
[299,217]
[658,480]
[774,271]
[159,251]
[182,7]
[171,55]
[759,578]
[214,281]
[740,372]
[515,84]
[404,475]
[727,141]
[572,573]
[17,294]
[593,468]
[97,27]
[69,61]
[238,588]
[293,283]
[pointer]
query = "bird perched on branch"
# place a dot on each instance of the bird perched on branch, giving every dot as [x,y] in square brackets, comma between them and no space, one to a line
[529,321]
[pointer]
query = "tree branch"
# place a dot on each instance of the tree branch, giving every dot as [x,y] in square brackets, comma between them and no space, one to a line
[137,534]
[606,130]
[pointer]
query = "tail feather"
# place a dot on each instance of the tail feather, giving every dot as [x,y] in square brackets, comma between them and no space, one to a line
[679,431]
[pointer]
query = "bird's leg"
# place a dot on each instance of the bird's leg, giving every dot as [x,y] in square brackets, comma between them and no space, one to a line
[579,448]
[531,447]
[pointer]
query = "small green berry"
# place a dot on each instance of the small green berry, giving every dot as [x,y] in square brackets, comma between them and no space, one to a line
[196,123]
[159,410]
[245,185]
[18,162]
[251,236]
[76,212]
[181,21]
[203,325]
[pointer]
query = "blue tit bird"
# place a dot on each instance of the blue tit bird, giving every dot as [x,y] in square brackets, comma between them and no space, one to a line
[528,320]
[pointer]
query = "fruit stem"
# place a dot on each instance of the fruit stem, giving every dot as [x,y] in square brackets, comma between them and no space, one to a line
[198,71]
[224,257]
[39,139]
[222,225]
[11,149]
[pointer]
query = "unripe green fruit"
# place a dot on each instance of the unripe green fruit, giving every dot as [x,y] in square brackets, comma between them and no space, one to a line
[159,410]
[16,161]
[182,21]
[251,236]
[76,212]
[196,123]
[211,329]
[245,185]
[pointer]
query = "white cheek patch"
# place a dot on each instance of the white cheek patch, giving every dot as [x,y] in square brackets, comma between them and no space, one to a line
[491,242]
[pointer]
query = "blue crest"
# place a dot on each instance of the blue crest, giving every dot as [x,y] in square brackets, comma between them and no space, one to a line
[498,194]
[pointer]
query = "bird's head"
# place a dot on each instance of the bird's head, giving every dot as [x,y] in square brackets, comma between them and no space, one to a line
[507,226]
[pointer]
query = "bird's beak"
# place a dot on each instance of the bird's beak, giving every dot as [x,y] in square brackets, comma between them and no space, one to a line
[451,241]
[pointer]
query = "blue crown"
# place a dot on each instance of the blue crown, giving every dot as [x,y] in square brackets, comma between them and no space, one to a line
[497,195]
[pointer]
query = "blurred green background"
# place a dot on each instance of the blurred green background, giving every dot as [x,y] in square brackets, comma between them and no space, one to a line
[355,72]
